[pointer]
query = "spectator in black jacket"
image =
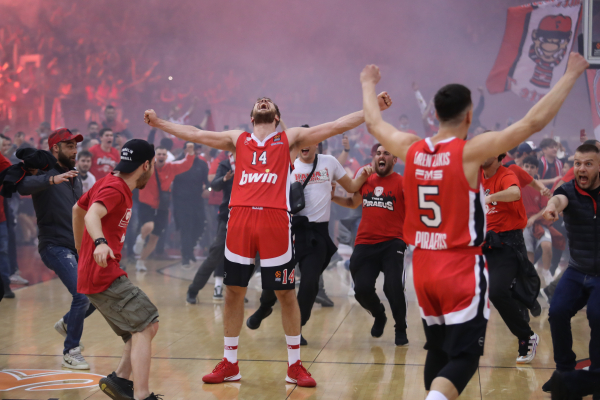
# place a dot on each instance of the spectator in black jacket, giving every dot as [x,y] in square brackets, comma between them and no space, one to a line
[214,262]
[580,283]
[54,194]
[188,205]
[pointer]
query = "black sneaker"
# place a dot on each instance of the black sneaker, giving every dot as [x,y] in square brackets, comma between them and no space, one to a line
[401,339]
[303,341]
[547,387]
[254,321]
[323,300]
[154,397]
[191,299]
[559,388]
[379,324]
[117,388]
[9,294]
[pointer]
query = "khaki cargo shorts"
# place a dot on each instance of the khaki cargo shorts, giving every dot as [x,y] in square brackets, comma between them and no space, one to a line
[125,307]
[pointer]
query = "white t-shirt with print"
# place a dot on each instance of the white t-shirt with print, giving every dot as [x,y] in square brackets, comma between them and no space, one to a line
[317,194]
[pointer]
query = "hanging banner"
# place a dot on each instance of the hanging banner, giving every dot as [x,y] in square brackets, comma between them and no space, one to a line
[535,48]
[593,81]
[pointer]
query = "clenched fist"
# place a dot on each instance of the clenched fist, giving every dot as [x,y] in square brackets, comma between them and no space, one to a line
[150,117]
[577,64]
[190,149]
[370,74]
[385,101]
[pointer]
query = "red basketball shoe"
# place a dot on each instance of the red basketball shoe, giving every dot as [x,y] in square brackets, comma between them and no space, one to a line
[297,374]
[223,372]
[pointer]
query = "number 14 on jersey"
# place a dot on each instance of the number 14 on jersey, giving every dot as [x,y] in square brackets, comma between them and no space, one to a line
[262,158]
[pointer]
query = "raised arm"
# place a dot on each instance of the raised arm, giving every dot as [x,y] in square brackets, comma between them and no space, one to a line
[303,137]
[353,185]
[508,195]
[219,140]
[491,144]
[38,183]
[392,139]
[537,185]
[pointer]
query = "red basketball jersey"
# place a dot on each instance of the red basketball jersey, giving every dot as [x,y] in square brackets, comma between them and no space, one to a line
[442,211]
[262,172]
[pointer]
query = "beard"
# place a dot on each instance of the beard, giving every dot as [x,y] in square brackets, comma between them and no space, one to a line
[141,182]
[385,171]
[264,117]
[65,160]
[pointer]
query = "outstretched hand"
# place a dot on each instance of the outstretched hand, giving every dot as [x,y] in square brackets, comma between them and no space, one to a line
[385,101]
[64,177]
[367,170]
[550,213]
[150,117]
[189,148]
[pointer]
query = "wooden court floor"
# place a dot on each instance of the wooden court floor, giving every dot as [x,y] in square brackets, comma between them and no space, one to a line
[345,360]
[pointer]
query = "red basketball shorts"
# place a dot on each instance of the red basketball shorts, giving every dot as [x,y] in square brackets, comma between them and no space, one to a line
[263,231]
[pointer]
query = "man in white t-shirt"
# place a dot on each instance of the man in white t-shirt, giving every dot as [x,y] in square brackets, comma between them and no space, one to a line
[84,163]
[313,246]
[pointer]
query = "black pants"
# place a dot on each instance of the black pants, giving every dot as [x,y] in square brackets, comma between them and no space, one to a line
[191,227]
[312,263]
[503,265]
[214,261]
[367,261]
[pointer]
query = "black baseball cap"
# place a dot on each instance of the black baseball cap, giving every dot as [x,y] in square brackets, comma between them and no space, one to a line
[133,154]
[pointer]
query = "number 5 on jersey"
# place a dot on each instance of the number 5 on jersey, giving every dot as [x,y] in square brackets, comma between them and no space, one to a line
[262,158]
[425,204]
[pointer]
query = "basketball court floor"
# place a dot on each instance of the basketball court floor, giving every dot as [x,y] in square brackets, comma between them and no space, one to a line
[345,360]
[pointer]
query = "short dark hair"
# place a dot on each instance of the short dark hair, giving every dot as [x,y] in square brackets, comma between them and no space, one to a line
[591,141]
[276,109]
[501,157]
[103,131]
[19,134]
[109,107]
[162,148]
[547,142]
[531,160]
[92,123]
[452,101]
[166,143]
[374,149]
[213,152]
[83,154]
[45,125]
[587,148]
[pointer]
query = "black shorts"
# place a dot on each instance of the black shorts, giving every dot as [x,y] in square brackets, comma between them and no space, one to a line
[159,217]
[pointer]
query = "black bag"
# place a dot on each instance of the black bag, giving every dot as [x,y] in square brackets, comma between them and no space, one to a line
[297,203]
[164,197]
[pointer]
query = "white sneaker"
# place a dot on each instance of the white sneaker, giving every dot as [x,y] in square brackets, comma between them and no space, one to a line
[548,278]
[140,266]
[532,344]
[61,328]
[139,245]
[17,279]
[74,360]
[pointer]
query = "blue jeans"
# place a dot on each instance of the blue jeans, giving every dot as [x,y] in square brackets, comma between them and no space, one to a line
[63,262]
[5,271]
[573,292]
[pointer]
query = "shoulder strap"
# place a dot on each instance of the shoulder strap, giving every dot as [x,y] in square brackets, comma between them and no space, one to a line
[311,172]
[157,180]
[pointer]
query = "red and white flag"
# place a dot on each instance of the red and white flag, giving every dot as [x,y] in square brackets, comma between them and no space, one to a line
[535,48]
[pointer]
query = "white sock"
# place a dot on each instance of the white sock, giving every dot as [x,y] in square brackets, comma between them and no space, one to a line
[141,263]
[231,346]
[435,395]
[293,345]
[218,281]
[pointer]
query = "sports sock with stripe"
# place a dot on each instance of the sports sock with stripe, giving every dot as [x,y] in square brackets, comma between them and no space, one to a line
[293,345]
[231,345]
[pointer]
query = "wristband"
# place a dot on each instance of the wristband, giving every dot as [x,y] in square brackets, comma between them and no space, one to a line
[99,241]
[52,177]
[347,151]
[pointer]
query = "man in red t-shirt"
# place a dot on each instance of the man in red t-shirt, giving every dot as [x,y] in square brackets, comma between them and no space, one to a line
[379,245]
[506,218]
[104,156]
[154,213]
[100,220]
